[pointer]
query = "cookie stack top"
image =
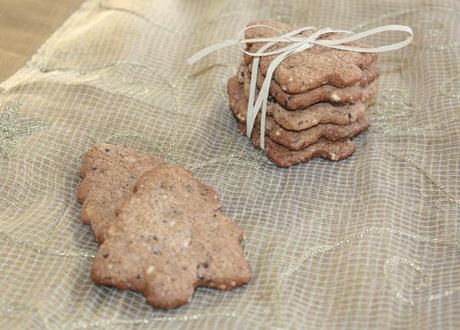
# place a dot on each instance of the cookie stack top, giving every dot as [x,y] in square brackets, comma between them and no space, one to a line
[317,98]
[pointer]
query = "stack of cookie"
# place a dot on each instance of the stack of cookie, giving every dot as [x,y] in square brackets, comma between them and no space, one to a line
[317,98]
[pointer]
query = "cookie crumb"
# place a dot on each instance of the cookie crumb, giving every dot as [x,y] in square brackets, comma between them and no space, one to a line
[335,97]
[150,269]
[185,243]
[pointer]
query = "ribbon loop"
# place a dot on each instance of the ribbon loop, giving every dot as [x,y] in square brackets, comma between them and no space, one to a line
[296,43]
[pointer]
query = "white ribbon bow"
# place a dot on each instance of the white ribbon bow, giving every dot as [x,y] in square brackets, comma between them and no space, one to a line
[296,44]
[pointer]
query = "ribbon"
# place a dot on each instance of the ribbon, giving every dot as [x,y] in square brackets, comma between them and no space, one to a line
[295,44]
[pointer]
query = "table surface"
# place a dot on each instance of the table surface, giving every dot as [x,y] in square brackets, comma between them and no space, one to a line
[25,25]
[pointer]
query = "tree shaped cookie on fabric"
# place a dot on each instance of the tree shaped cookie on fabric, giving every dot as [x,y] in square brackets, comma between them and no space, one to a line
[108,172]
[169,238]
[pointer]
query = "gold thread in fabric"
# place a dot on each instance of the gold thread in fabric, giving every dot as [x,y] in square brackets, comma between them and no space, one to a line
[450,88]
[392,111]
[390,265]
[448,198]
[45,250]
[14,128]
[104,323]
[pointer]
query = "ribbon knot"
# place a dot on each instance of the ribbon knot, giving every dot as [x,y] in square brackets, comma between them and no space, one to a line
[296,43]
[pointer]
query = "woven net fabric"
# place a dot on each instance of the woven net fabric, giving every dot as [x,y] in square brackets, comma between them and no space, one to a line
[369,242]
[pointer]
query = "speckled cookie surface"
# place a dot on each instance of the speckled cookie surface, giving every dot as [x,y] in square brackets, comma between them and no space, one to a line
[313,67]
[284,157]
[294,140]
[361,91]
[302,139]
[169,238]
[108,172]
[326,149]
[320,113]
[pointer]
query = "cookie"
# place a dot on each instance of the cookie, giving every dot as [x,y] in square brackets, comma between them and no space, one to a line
[326,149]
[170,237]
[302,139]
[284,157]
[298,120]
[362,91]
[238,101]
[272,28]
[108,172]
[320,113]
[294,140]
[313,67]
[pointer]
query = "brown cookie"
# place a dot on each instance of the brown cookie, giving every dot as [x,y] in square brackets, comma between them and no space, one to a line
[284,157]
[298,120]
[362,91]
[301,139]
[320,113]
[108,172]
[313,67]
[238,101]
[169,238]
[294,140]
[326,93]
[326,149]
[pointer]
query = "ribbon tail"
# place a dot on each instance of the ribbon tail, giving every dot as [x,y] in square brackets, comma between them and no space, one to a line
[264,91]
[208,50]
[339,43]
[263,122]
[251,112]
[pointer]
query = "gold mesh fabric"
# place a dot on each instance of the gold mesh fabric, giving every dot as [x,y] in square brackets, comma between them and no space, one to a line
[369,242]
